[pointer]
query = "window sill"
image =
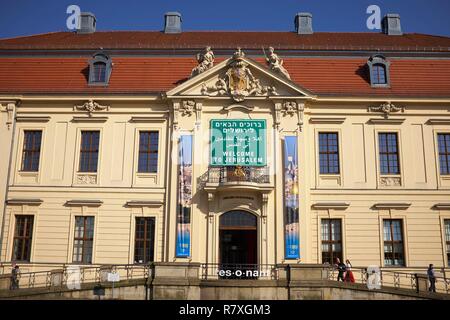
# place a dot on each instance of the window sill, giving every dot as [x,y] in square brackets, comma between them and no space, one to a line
[29,173]
[146,174]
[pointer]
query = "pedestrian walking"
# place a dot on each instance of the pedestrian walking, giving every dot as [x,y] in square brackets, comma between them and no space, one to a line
[15,277]
[341,269]
[348,273]
[432,278]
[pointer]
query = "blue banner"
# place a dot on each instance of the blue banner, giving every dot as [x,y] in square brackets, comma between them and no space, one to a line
[183,245]
[291,198]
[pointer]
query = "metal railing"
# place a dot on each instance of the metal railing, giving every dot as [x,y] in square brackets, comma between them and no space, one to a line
[71,276]
[211,271]
[394,279]
[236,174]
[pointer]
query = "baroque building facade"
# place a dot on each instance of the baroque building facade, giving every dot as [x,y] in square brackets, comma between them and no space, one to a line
[328,145]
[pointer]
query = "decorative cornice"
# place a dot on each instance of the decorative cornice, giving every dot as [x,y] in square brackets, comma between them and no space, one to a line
[386,108]
[441,206]
[335,120]
[387,121]
[438,121]
[149,119]
[150,203]
[32,119]
[393,205]
[238,106]
[89,119]
[31,202]
[88,203]
[330,205]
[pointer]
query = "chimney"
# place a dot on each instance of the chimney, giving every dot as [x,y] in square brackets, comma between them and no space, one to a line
[391,25]
[172,22]
[303,23]
[87,23]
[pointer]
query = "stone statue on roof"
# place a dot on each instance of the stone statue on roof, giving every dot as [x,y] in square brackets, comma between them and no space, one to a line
[205,62]
[276,63]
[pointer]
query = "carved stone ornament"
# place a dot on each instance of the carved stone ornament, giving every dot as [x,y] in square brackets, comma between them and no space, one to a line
[387,108]
[390,182]
[9,109]
[238,82]
[86,179]
[205,62]
[187,107]
[91,106]
[276,63]
[289,108]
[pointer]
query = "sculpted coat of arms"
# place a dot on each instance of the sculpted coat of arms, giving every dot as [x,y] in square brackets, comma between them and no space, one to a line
[238,82]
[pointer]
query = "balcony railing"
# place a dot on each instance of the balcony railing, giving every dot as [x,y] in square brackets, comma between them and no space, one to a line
[232,174]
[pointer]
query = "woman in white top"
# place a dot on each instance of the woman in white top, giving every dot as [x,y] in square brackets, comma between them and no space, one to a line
[349,274]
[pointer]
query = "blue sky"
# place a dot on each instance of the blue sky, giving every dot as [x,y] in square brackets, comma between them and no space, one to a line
[26,17]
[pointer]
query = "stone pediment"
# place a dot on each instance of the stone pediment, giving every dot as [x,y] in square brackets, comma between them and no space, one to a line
[239,78]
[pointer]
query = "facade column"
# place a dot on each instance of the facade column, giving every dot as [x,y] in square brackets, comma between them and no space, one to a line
[7,132]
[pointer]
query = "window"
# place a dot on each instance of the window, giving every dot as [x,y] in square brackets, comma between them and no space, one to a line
[84,239]
[331,240]
[444,152]
[100,67]
[388,148]
[99,72]
[23,234]
[328,153]
[379,74]
[148,151]
[393,243]
[379,71]
[89,151]
[31,150]
[144,240]
[447,239]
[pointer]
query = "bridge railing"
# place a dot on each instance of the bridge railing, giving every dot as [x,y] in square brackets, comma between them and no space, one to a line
[72,276]
[394,279]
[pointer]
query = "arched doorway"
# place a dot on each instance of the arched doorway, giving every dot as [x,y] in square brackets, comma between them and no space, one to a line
[238,238]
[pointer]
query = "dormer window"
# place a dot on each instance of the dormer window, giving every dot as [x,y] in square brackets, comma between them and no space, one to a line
[379,71]
[100,67]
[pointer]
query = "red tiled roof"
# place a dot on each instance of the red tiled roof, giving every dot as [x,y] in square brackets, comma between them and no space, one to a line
[228,40]
[326,76]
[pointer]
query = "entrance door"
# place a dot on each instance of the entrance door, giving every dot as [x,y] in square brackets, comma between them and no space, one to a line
[238,242]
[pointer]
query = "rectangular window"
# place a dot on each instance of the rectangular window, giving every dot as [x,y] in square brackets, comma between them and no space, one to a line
[447,239]
[444,152]
[328,153]
[89,151]
[331,240]
[148,151]
[393,243]
[389,161]
[31,150]
[144,240]
[83,240]
[23,235]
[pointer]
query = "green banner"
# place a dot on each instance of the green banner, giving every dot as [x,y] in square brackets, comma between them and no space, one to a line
[238,142]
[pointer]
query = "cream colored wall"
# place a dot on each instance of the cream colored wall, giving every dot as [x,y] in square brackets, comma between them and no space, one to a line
[359,182]
[117,181]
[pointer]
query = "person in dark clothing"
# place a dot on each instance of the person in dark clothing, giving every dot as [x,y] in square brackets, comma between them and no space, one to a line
[432,278]
[15,277]
[341,269]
